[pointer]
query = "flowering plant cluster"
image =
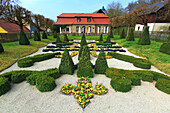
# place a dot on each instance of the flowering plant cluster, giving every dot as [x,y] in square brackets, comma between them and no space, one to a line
[83,91]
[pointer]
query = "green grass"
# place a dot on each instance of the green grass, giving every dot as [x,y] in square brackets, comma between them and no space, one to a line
[14,51]
[151,52]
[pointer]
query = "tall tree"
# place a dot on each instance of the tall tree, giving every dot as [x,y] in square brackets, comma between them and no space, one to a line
[48,24]
[114,9]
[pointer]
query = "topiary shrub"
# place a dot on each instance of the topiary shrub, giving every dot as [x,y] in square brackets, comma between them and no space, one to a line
[23,40]
[146,76]
[1,48]
[83,40]
[66,38]
[4,85]
[111,33]
[163,85]
[101,38]
[85,66]
[145,38]
[165,47]
[54,72]
[55,34]
[20,76]
[101,63]
[66,66]
[122,36]
[157,76]
[45,83]
[121,84]
[44,35]
[142,63]
[36,36]
[58,39]
[7,75]
[108,40]
[25,62]
[130,36]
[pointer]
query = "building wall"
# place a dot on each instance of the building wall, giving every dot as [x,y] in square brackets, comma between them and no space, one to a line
[154,27]
[94,29]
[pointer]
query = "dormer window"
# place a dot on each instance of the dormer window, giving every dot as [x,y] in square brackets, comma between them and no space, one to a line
[78,19]
[88,19]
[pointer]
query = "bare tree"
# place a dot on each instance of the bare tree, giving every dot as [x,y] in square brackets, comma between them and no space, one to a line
[114,9]
[37,21]
[48,23]
[164,13]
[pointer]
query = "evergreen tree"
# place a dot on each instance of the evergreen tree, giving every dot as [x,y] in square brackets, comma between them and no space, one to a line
[44,36]
[122,34]
[145,38]
[1,48]
[165,47]
[66,66]
[87,51]
[101,63]
[58,39]
[55,34]
[84,66]
[111,33]
[36,36]
[23,40]
[130,36]
[101,38]
[66,38]
[108,40]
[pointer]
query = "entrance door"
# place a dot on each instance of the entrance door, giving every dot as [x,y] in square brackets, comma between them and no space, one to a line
[84,29]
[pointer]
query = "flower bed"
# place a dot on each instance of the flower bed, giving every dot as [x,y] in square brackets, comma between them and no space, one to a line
[83,91]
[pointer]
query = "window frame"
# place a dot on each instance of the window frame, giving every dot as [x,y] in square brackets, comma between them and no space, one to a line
[78,20]
[88,19]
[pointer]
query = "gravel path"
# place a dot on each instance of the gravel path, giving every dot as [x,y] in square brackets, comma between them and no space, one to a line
[23,98]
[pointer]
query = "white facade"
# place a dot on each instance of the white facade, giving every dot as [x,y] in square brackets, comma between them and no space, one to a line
[153,27]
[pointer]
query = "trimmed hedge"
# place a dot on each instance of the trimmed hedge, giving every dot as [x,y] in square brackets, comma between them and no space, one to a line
[1,48]
[122,36]
[7,75]
[101,38]
[66,38]
[55,35]
[145,38]
[165,47]
[44,35]
[146,76]
[45,83]
[66,66]
[4,85]
[137,62]
[121,84]
[29,61]
[20,76]
[101,63]
[130,36]
[36,36]
[64,43]
[23,40]
[163,85]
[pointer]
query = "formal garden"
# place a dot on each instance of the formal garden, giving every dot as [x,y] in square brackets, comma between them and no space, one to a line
[83,59]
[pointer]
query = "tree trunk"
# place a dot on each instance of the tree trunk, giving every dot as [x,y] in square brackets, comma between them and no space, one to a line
[128,31]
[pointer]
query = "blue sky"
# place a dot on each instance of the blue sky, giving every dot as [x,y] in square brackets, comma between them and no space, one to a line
[53,8]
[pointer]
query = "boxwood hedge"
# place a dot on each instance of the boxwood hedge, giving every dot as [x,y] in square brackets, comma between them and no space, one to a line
[163,85]
[4,85]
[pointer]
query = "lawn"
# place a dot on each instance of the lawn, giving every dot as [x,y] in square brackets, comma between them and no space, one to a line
[14,51]
[151,52]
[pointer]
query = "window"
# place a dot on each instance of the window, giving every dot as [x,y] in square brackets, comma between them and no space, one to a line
[77,29]
[106,29]
[138,28]
[88,20]
[78,19]
[90,29]
[99,29]
[67,29]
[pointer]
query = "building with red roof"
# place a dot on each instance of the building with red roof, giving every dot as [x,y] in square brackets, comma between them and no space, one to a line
[9,27]
[83,23]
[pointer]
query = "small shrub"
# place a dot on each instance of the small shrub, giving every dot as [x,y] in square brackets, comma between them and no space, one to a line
[1,48]
[66,38]
[66,66]
[142,63]
[83,40]
[55,34]
[111,33]
[101,38]
[86,52]
[122,36]
[54,72]
[44,35]
[58,39]
[7,75]
[45,83]
[146,76]
[165,47]
[130,36]
[25,62]
[23,40]
[145,38]
[101,63]
[36,36]
[108,40]
[20,76]
[121,84]
[4,85]
[163,85]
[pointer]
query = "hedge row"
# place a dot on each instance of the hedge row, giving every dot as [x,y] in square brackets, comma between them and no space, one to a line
[105,44]
[29,61]
[137,62]
[163,81]
[32,77]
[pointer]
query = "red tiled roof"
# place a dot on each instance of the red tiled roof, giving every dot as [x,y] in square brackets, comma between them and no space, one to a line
[11,27]
[71,18]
